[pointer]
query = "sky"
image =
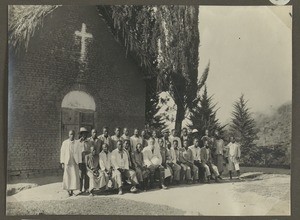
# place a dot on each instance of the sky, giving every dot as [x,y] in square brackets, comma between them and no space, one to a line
[250,52]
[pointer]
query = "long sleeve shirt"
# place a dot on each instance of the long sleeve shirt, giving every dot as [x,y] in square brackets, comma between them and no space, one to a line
[119,159]
[68,150]
[105,161]
[234,150]
[186,156]
[150,155]
[196,152]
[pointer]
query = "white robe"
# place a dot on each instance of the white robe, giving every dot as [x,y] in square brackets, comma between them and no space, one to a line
[70,156]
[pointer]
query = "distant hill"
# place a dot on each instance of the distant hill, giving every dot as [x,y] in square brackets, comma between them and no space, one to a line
[276,128]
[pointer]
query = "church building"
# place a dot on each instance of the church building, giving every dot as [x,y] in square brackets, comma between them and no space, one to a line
[72,74]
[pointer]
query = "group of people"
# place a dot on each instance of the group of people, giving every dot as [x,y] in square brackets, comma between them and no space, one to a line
[110,162]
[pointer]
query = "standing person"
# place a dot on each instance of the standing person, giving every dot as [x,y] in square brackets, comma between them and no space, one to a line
[173,162]
[144,139]
[153,161]
[120,163]
[106,165]
[206,137]
[165,157]
[95,141]
[195,148]
[97,178]
[166,136]
[135,139]
[85,150]
[140,168]
[219,148]
[155,137]
[105,138]
[176,138]
[187,162]
[185,136]
[125,135]
[234,154]
[70,159]
[206,160]
[116,137]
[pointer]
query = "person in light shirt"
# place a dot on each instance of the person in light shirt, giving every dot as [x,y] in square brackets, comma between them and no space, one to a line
[135,139]
[105,138]
[120,163]
[153,162]
[106,165]
[125,135]
[233,155]
[70,159]
[195,148]
[116,137]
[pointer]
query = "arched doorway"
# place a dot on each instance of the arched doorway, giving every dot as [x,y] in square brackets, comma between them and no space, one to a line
[77,110]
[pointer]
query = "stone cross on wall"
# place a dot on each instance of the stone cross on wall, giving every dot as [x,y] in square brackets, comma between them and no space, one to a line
[84,37]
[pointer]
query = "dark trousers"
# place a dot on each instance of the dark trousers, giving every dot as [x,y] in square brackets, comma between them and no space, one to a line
[201,170]
[160,171]
[84,179]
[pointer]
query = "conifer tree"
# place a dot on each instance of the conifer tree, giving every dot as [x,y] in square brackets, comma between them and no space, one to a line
[203,115]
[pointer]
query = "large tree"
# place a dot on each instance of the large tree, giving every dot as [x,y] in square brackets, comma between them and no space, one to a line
[164,40]
[203,115]
[243,125]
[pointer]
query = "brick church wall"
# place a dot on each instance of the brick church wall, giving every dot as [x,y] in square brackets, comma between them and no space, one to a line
[41,77]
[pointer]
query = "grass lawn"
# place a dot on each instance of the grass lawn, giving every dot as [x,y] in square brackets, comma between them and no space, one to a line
[90,206]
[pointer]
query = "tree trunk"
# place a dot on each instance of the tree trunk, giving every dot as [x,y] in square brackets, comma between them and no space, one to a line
[179,115]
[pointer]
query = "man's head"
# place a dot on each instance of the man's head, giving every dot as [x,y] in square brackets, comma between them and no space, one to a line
[206,144]
[94,133]
[166,133]
[105,147]
[71,135]
[196,142]
[160,142]
[126,144]
[168,144]
[154,134]
[93,150]
[232,139]
[206,132]
[184,132]
[119,145]
[185,143]
[105,131]
[151,141]
[139,148]
[136,131]
[117,131]
[175,143]
[143,133]
[125,131]
[83,132]
[173,132]
[217,134]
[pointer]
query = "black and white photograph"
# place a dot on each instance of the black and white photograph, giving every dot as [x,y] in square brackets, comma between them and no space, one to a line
[177,110]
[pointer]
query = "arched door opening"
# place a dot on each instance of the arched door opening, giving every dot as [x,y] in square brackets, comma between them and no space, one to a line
[77,110]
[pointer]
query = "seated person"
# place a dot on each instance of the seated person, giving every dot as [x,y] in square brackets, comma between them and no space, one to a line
[153,162]
[195,148]
[140,168]
[97,178]
[206,160]
[173,162]
[106,165]
[120,163]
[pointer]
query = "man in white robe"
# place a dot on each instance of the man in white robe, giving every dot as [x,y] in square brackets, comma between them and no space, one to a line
[71,159]
[233,155]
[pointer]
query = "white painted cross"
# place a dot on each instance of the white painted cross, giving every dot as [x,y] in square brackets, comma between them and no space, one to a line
[84,36]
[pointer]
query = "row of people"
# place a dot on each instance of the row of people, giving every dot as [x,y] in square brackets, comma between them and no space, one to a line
[91,163]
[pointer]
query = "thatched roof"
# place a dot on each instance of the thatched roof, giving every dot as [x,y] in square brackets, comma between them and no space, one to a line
[24,20]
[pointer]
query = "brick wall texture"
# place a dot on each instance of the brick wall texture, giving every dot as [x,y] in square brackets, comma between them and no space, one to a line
[40,78]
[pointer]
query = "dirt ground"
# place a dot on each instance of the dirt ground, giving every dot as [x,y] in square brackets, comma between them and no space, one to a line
[264,194]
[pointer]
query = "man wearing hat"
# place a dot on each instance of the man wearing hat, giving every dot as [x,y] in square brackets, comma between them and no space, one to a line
[84,148]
